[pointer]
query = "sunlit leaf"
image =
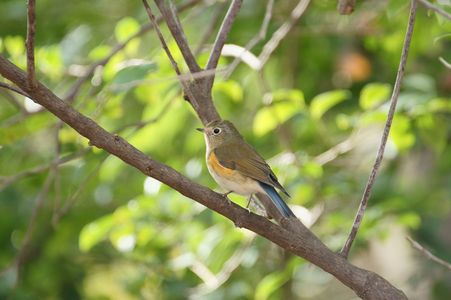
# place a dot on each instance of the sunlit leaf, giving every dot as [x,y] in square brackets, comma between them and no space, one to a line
[125,28]
[286,103]
[373,94]
[125,78]
[269,284]
[95,232]
[410,219]
[230,88]
[401,133]
[99,52]
[15,45]
[323,102]
[312,169]
[433,130]
[20,130]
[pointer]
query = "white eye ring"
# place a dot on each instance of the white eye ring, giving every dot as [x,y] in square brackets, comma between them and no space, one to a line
[217,131]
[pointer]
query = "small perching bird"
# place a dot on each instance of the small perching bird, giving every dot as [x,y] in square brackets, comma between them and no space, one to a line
[237,167]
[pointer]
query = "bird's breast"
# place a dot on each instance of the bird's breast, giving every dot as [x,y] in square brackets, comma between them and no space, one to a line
[229,179]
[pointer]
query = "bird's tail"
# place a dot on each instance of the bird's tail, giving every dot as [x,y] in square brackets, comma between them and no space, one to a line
[277,200]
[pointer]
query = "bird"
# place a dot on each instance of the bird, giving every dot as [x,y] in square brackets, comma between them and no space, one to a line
[237,167]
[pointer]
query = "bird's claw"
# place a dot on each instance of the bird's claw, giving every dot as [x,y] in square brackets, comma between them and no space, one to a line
[225,195]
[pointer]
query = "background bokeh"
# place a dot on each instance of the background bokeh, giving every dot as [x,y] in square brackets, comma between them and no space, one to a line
[101,230]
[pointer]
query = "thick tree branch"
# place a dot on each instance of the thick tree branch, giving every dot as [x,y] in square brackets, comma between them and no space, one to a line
[301,242]
[380,152]
[179,35]
[221,38]
[31,29]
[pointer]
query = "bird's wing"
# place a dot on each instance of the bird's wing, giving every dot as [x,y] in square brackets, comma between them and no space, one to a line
[244,159]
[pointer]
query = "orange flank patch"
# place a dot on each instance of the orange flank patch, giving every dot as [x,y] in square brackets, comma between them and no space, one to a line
[217,167]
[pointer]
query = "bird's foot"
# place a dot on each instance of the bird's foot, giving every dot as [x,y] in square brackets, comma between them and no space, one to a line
[225,195]
[248,203]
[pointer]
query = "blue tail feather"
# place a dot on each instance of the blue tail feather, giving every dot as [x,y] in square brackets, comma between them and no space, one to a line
[277,200]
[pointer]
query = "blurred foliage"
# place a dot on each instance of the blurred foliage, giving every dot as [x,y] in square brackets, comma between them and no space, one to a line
[104,231]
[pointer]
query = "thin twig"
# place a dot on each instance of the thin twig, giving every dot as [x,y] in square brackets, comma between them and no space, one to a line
[72,200]
[280,34]
[221,38]
[380,152]
[185,86]
[73,91]
[140,124]
[10,97]
[14,89]
[23,252]
[339,149]
[428,254]
[255,40]
[435,8]
[177,32]
[31,29]
[345,7]
[7,180]
[209,32]
[445,63]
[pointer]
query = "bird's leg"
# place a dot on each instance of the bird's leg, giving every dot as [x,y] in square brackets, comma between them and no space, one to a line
[225,196]
[249,202]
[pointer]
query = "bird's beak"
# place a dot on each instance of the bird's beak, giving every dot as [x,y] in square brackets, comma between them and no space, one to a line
[200,129]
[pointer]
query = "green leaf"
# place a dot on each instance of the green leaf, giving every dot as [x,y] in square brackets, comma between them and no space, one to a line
[124,79]
[410,219]
[420,82]
[286,103]
[401,133]
[325,101]
[373,94]
[269,284]
[312,169]
[31,125]
[230,88]
[434,131]
[125,28]
[95,232]
[15,45]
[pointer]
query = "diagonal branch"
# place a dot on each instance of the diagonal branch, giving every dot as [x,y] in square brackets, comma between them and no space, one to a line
[221,38]
[215,19]
[428,254]
[39,202]
[72,93]
[435,8]
[13,88]
[185,86]
[380,152]
[31,29]
[255,40]
[301,242]
[283,30]
[177,32]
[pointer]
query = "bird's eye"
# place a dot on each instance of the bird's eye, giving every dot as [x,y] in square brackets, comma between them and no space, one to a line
[216,131]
